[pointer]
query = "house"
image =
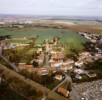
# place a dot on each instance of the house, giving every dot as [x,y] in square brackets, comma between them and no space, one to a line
[63,91]
[43,71]
[57,65]
[58,77]
[57,55]
[22,66]
[79,71]
[68,62]
[91,74]
[69,68]
[79,63]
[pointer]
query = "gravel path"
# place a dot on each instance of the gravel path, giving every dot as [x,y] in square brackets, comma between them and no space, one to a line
[89,90]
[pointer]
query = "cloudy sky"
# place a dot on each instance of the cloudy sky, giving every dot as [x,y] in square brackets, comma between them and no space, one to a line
[52,7]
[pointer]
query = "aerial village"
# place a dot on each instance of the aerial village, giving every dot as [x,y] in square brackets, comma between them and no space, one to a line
[50,59]
[49,66]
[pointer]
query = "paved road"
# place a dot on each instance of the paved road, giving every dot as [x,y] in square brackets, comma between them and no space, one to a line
[8,62]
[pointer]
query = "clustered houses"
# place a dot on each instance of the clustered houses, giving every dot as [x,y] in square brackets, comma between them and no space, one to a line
[51,57]
[84,58]
[56,59]
[95,43]
[93,37]
[92,54]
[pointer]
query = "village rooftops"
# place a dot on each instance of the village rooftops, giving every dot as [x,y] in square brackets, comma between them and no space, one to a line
[43,71]
[79,63]
[58,77]
[31,69]
[63,91]
[66,68]
[79,71]
[57,55]
[85,54]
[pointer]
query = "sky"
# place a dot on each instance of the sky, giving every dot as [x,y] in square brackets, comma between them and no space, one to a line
[52,7]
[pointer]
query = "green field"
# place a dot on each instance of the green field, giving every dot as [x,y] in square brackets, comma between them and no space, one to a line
[43,33]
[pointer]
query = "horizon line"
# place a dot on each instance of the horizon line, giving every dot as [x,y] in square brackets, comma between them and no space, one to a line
[47,15]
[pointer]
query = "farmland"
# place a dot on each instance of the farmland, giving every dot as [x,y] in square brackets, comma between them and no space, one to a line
[43,33]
